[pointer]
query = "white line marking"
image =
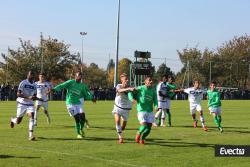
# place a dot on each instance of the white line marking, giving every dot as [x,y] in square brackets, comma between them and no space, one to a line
[84,156]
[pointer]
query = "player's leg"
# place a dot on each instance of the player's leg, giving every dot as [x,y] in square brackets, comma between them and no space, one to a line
[168,112]
[46,112]
[215,117]
[158,114]
[82,118]
[143,125]
[37,107]
[118,127]
[219,118]
[31,113]
[193,114]
[146,132]
[73,112]
[163,116]
[21,110]
[202,119]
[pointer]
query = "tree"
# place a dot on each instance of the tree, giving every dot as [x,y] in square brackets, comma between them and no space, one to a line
[163,70]
[51,55]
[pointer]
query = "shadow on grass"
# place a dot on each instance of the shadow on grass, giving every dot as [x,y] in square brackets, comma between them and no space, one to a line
[167,143]
[226,127]
[56,138]
[11,156]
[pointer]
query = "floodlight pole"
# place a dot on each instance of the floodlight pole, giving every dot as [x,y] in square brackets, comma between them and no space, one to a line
[117,46]
[41,51]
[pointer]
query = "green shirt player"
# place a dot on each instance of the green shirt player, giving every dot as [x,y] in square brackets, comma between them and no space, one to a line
[146,98]
[214,104]
[171,89]
[75,91]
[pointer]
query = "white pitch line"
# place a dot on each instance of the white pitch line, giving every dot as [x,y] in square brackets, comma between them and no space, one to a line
[64,153]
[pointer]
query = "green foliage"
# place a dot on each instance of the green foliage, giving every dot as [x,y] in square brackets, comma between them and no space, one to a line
[51,56]
[229,63]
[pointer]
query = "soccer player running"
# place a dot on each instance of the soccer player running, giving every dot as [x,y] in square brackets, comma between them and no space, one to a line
[43,88]
[25,95]
[122,106]
[75,91]
[195,95]
[146,98]
[214,104]
[161,91]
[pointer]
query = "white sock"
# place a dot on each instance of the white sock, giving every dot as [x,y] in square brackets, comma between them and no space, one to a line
[31,127]
[119,130]
[14,120]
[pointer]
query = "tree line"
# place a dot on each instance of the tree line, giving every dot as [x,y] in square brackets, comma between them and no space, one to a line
[228,64]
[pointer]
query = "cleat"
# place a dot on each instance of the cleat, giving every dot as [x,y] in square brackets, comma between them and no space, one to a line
[32,138]
[195,124]
[12,124]
[137,138]
[163,125]
[169,125]
[120,141]
[82,133]
[142,142]
[79,137]
[205,128]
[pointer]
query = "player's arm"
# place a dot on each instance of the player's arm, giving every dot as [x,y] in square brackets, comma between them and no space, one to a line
[129,89]
[62,85]
[155,100]
[131,96]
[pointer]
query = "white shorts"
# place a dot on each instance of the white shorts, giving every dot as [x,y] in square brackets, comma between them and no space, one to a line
[168,104]
[147,117]
[74,109]
[43,104]
[23,109]
[123,113]
[216,110]
[194,108]
[163,105]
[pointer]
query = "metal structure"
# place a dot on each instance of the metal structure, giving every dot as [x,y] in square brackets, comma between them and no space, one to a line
[140,68]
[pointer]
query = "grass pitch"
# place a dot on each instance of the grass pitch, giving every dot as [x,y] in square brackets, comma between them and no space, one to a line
[180,145]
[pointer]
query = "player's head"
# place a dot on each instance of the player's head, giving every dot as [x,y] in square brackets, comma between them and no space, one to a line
[41,77]
[30,75]
[124,78]
[196,83]
[164,78]
[170,79]
[212,85]
[78,76]
[148,81]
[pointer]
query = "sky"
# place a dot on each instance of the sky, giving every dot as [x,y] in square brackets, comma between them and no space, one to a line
[159,26]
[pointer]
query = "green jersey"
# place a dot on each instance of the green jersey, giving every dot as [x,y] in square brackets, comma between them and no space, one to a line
[170,87]
[75,91]
[146,97]
[213,98]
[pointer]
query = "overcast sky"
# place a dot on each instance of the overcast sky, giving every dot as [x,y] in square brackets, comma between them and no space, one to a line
[158,26]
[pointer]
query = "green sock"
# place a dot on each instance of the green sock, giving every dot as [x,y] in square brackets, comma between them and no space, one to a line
[142,129]
[82,122]
[78,128]
[217,121]
[169,117]
[219,118]
[146,132]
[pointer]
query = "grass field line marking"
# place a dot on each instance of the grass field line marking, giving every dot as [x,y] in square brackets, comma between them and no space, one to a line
[65,153]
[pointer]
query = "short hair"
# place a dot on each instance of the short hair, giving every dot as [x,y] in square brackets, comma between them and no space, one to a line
[78,71]
[148,76]
[196,80]
[213,82]
[42,73]
[171,77]
[123,75]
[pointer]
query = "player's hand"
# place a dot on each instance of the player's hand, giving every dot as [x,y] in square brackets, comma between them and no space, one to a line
[134,102]
[131,89]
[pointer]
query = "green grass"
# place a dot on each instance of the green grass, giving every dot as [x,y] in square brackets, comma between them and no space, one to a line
[180,145]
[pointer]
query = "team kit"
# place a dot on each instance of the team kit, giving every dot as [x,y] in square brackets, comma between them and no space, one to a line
[32,96]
